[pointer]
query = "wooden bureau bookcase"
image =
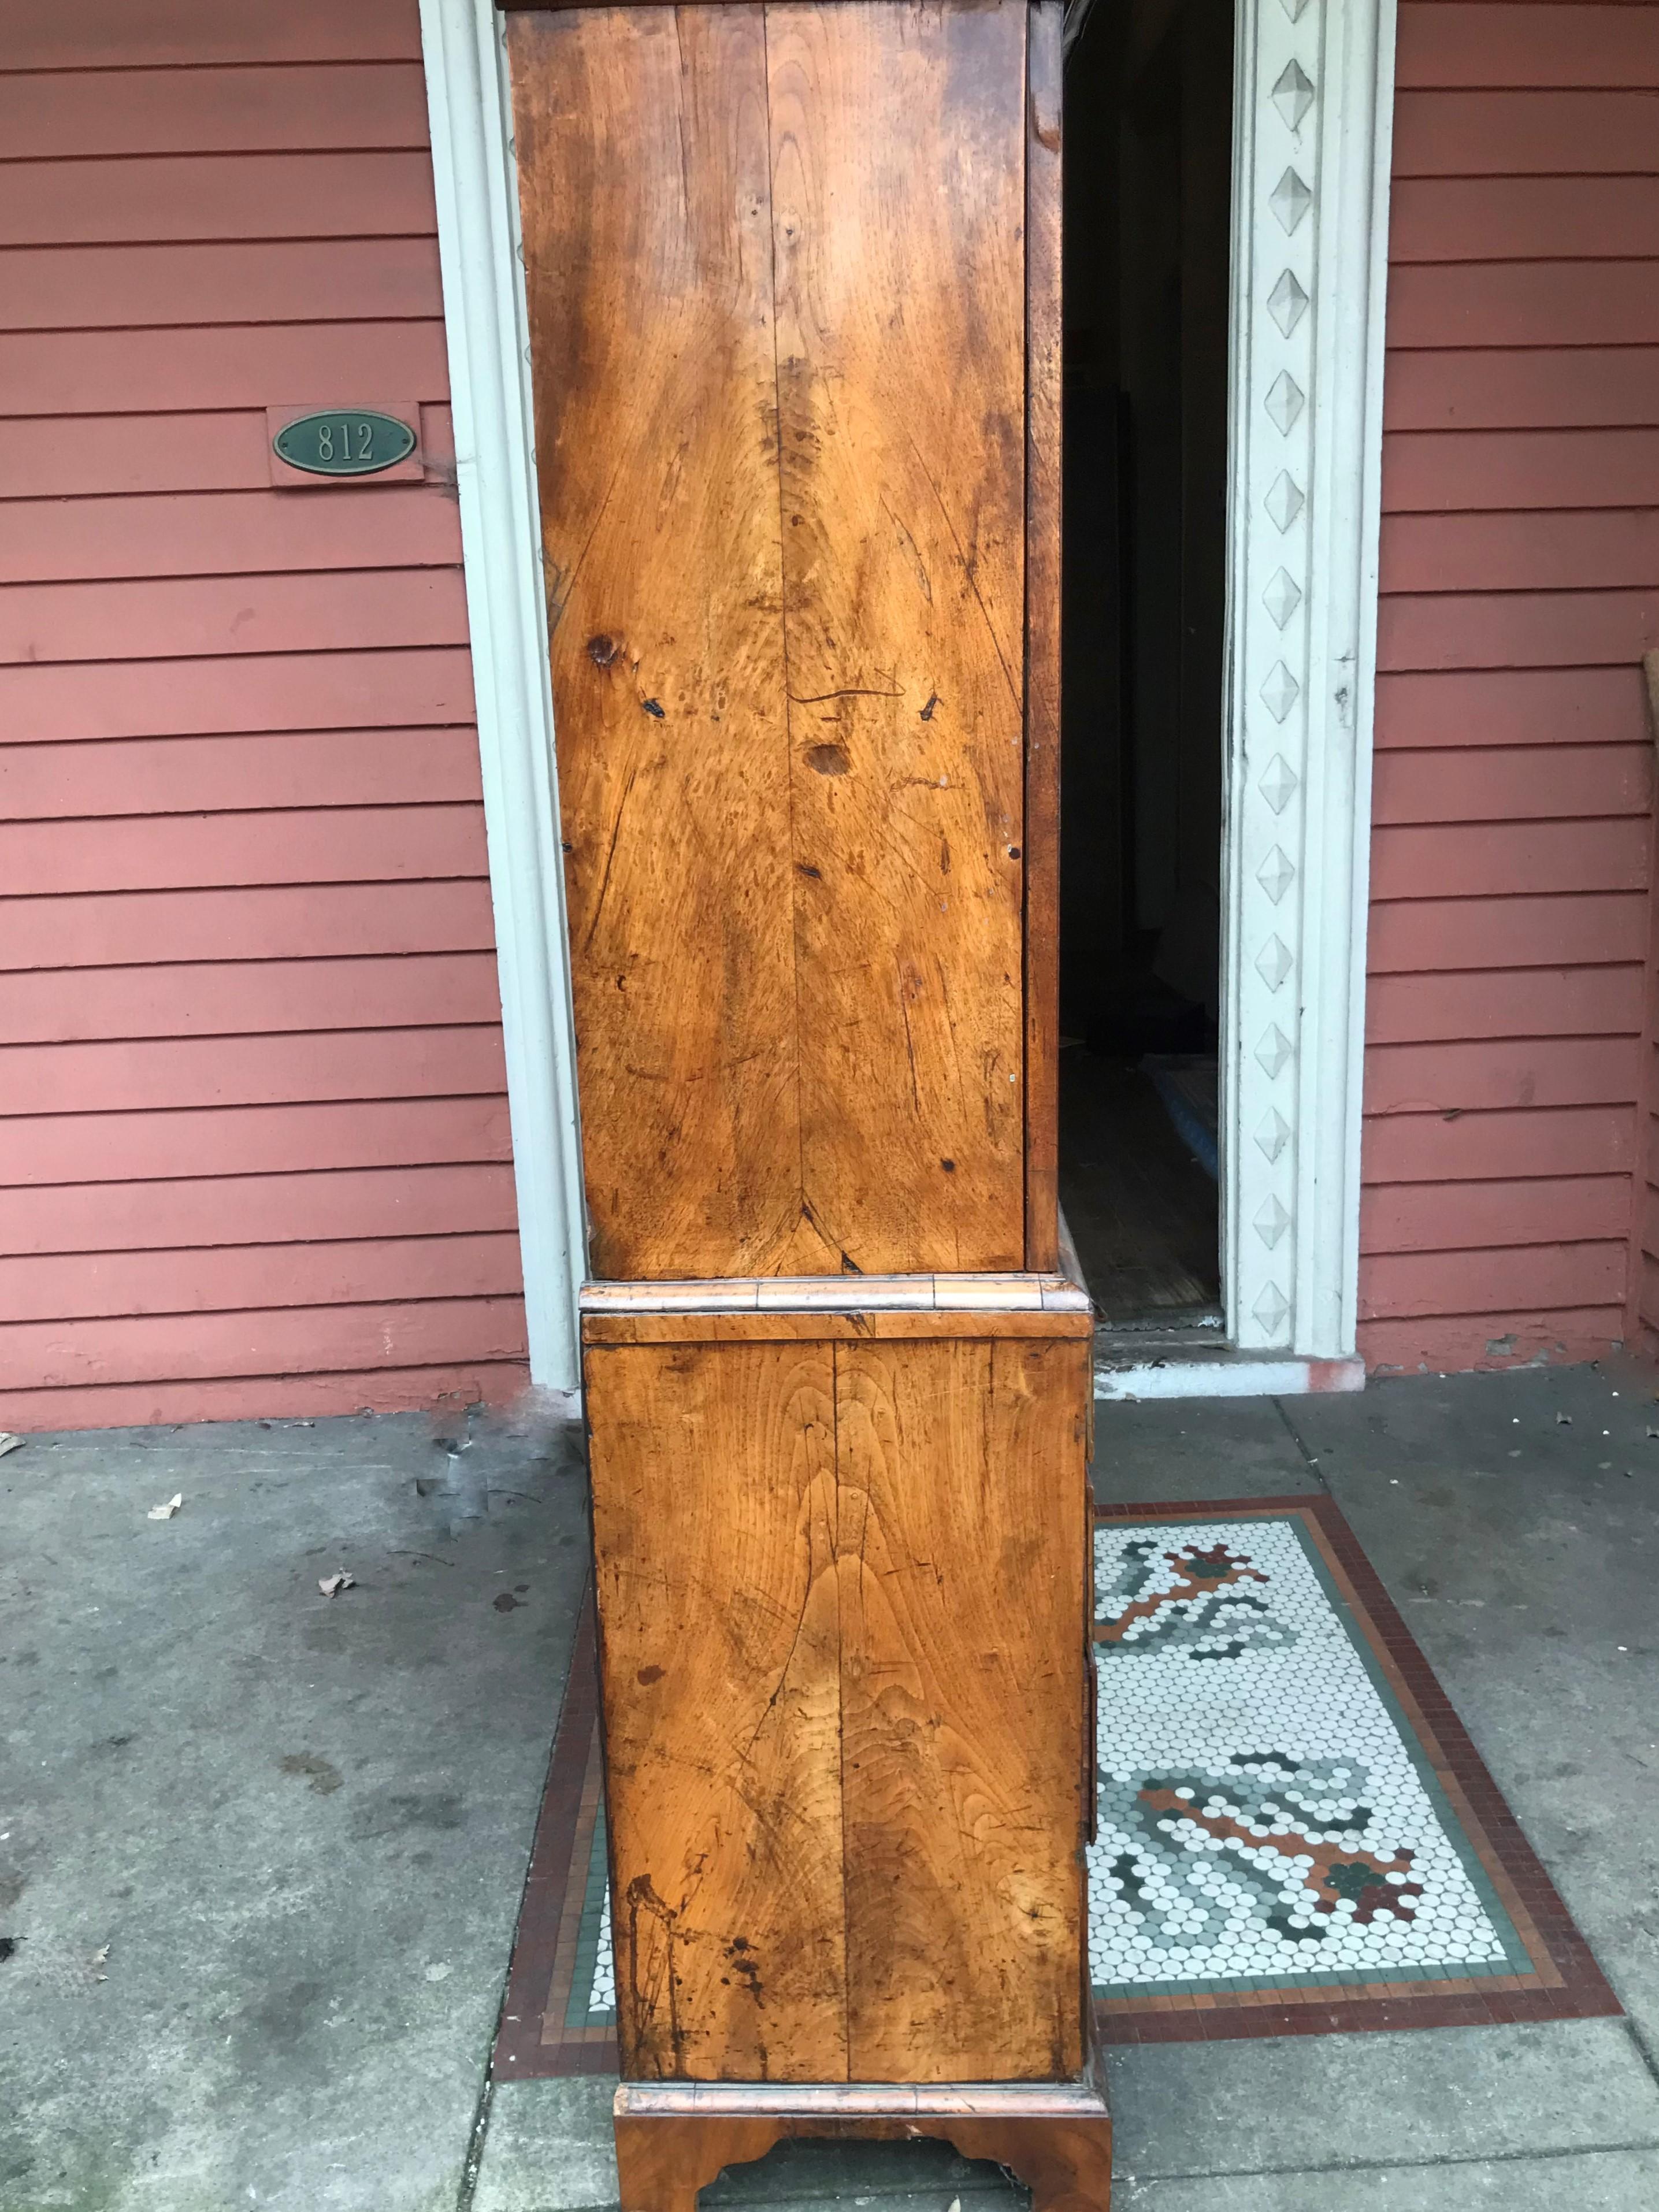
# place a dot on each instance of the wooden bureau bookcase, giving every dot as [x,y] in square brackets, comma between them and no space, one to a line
[793,284]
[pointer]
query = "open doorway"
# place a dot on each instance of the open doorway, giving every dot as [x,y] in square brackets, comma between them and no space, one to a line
[1148,222]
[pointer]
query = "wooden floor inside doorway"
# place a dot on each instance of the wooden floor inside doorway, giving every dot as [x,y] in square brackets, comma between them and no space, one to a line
[1141,1210]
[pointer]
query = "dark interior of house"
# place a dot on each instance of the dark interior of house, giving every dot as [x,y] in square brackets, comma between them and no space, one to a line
[1148,187]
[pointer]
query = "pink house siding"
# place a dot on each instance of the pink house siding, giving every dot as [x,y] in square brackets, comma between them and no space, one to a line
[254,1156]
[1510,1001]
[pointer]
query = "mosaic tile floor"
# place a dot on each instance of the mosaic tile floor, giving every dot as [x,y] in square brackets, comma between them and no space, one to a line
[1264,1811]
[1293,1833]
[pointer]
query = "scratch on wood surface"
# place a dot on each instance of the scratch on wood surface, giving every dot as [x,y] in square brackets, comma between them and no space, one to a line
[609,858]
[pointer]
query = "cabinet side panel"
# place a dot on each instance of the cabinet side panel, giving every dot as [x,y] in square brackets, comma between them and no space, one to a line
[961,1550]
[714,1480]
[641,139]
[898,161]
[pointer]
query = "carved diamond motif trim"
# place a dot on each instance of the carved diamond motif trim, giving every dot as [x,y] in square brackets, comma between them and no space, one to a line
[1282,598]
[1274,1047]
[1293,93]
[1283,500]
[1270,1310]
[1275,875]
[1293,8]
[1287,302]
[1280,692]
[1273,1134]
[1289,200]
[1271,1221]
[1277,784]
[1272,964]
[1283,401]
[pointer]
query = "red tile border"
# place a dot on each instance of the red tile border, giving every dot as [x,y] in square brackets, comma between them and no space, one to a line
[531,2039]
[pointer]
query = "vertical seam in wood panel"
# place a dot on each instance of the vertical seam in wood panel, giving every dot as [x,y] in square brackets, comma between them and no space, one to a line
[783,633]
[1041,763]
[840,1706]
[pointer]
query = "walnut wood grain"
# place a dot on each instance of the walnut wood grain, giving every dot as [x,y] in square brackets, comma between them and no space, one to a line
[898,154]
[713,1531]
[643,165]
[842,1594]
[961,1548]
[777,296]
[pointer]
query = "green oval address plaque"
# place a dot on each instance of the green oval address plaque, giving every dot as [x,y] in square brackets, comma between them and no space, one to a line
[345,441]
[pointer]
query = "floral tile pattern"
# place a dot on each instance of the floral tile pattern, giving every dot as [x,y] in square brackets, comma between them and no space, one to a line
[1264,1811]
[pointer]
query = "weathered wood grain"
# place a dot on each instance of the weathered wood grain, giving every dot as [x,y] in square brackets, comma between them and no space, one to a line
[897,203]
[961,1548]
[842,1586]
[713,1531]
[788,616]
[642,159]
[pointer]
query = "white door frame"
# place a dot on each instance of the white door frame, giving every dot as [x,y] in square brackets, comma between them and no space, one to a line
[1313,107]
[1313,110]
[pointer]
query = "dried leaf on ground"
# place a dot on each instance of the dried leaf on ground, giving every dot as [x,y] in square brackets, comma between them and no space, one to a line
[166,1512]
[331,1585]
[10,1442]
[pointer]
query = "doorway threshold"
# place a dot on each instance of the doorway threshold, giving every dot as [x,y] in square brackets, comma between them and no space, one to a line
[1192,1362]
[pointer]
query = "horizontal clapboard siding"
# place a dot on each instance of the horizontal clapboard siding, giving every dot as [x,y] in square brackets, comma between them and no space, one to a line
[1511,988]
[254,1149]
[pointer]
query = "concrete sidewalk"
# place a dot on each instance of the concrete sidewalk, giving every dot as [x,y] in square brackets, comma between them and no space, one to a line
[261,1850]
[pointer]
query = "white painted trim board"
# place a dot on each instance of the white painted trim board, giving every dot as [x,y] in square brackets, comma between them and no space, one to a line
[486,327]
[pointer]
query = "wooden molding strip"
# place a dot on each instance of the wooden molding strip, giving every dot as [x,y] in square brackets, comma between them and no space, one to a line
[832,2100]
[847,1294]
[606,1328]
